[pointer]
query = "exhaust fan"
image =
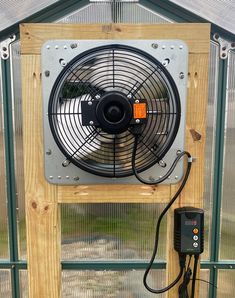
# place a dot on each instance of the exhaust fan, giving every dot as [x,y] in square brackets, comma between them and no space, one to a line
[98,94]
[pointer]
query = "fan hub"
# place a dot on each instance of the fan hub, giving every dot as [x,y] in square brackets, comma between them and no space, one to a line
[114,112]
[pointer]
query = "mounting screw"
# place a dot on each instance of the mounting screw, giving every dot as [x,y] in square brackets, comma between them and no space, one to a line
[56,47]
[4,49]
[65,47]
[181,75]
[162,163]
[59,177]
[176,177]
[47,73]
[65,163]
[73,45]
[50,177]
[129,96]
[76,178]
[5,55]
[230,266]
[48,47]
[48,152]
[67,177]
[163,47]
[137,121]
[180,47]
[154,45]
[216,36]
[63,62]
[89,103]
[97,96]
[172,47]
[178,152]
[91,122]
[137,101]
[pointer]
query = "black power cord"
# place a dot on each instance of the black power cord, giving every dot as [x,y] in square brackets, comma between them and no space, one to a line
[196,258]
[182,258]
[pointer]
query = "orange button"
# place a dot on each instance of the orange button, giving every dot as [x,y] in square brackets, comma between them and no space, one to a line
[195,231]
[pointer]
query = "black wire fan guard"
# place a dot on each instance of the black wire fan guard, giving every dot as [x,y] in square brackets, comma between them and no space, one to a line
[137,76]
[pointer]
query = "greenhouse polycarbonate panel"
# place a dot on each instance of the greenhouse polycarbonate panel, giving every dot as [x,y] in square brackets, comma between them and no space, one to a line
[226,285]
[110,231]
[220,12]
[210,142]
[4,244]
[110,284]
[227,250]
[18,143]
[117,12]
[15,11]
[5,283]
[24,291]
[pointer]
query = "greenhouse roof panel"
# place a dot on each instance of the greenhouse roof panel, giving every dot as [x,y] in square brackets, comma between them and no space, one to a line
[16,10]
[219,12]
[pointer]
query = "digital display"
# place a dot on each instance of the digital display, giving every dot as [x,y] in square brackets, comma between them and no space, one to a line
[190,222]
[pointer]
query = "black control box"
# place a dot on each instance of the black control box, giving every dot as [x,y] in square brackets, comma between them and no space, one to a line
[189,230]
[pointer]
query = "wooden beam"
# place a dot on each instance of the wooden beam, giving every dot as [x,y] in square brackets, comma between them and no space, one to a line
[113,194]
[42,210]
[195,144]
[42,199]
[34,35]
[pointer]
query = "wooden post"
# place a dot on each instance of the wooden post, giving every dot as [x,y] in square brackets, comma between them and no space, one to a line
[43,199]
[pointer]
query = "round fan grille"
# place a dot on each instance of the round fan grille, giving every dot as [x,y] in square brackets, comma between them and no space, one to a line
[132,73]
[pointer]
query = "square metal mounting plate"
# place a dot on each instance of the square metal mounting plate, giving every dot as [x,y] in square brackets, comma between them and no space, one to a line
[54,50]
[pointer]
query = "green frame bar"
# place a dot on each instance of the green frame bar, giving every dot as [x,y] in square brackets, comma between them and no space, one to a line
[218,172]
[116,265]
[10,173]
[50,14]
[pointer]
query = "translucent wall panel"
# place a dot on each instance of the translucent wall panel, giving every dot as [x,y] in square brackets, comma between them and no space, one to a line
[24,291]
[109,284]
[5,283]
[210,140]
[18,144]
[3,200]
[110,231]
[228,203]
[220,12]
[114,11]
[14,11]
[226,285]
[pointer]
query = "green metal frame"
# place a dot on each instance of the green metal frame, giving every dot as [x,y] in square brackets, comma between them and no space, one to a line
[50,14]
[10,173]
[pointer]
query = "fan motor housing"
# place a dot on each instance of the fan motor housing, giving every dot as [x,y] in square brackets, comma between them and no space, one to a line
[83,130]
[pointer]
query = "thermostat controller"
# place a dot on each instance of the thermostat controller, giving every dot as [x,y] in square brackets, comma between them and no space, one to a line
[189,230]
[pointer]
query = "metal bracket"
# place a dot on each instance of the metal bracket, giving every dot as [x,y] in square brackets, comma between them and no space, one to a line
[225,45]
[4,47]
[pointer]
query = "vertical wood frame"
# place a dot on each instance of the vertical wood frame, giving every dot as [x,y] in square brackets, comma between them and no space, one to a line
[43,199]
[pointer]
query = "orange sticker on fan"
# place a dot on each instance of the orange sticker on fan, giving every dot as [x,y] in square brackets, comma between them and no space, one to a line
[140,111]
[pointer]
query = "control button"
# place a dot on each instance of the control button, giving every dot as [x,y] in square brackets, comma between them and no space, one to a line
[195,231]
[195,237]
[195,244]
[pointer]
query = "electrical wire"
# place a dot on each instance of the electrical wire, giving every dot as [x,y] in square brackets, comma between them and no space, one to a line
[196,258]
[183,287]
[182,258]
[169,172]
